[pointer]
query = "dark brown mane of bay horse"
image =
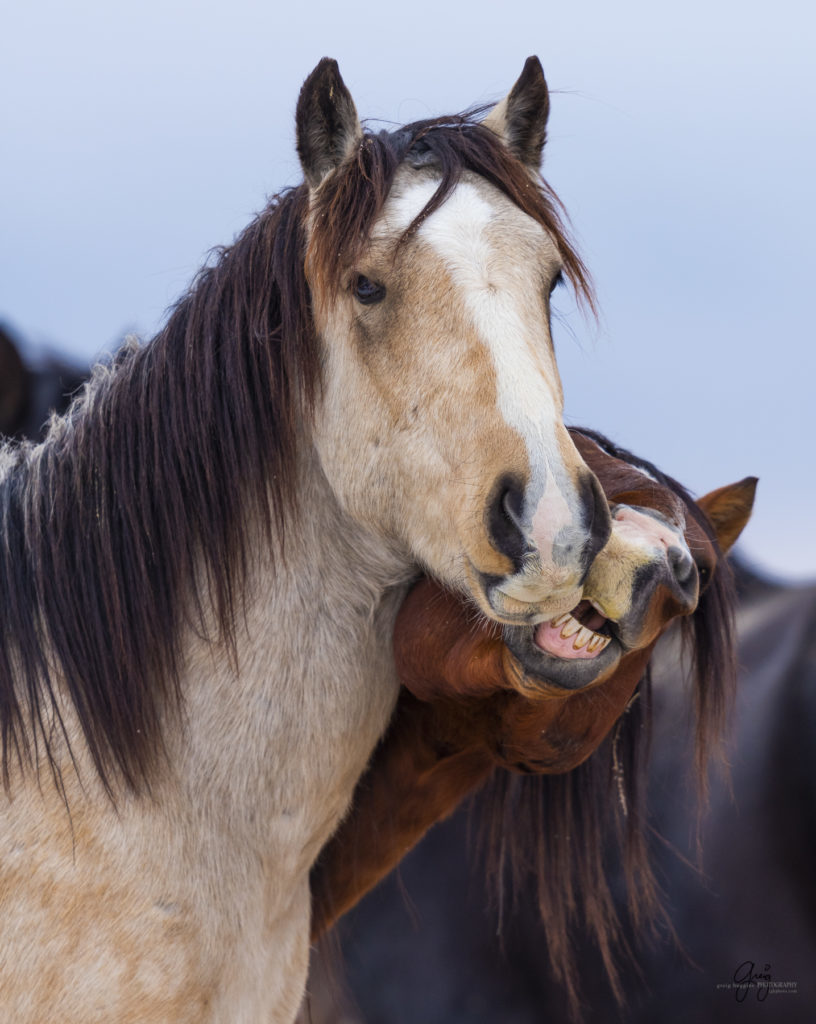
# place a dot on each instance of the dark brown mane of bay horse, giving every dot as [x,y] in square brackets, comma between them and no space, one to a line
[460,717]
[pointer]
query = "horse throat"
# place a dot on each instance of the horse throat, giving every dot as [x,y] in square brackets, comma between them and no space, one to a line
[311,688]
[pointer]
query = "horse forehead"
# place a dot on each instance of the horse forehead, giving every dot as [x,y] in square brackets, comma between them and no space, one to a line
[492,254]
[476,228]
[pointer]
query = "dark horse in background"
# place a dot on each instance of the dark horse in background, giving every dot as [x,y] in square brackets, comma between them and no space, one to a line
[30,390]
[425,947]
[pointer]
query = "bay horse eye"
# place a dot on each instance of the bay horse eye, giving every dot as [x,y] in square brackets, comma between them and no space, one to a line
[366,291]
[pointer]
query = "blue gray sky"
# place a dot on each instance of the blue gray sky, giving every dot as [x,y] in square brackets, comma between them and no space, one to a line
[136,136]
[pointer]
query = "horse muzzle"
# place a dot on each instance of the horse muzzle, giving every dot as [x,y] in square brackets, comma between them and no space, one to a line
[643,578]
[551,539]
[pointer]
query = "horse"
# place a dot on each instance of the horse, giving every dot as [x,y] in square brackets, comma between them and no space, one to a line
[30,393]
[202,562]
[737,885]
[12,385]
[744,913]
[468,710]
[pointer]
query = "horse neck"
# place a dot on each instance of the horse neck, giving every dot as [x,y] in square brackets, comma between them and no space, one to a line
[315,683]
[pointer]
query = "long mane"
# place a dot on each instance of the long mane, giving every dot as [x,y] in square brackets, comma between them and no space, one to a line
[149,476]
[129,520]
[567,836]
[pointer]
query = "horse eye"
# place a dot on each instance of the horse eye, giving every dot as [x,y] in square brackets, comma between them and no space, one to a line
[556,281]
[366,291]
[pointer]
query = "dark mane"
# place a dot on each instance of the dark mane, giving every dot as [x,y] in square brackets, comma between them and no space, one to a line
[162,458]
[131,515]
[569,834]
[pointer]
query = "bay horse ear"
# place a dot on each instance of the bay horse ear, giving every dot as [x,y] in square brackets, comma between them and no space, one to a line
[729,509]
[326,122]
[520,120]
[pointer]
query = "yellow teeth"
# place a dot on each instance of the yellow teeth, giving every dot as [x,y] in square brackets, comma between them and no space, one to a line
[584,637]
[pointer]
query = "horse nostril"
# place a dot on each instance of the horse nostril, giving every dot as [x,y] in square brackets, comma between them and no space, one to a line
[682,567]
[504,519]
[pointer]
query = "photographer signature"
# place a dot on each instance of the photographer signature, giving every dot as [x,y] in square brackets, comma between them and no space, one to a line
[746,976]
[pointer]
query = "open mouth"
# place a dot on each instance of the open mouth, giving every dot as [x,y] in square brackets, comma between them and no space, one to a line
[580,634]
[569,652]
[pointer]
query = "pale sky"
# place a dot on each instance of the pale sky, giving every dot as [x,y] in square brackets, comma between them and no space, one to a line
[136,136]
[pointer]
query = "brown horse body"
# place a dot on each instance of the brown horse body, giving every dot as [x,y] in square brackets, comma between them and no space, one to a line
[466,706]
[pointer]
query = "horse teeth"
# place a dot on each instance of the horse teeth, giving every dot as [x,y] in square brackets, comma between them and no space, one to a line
[571,628]
[597,643]
[559,620]
[581,638]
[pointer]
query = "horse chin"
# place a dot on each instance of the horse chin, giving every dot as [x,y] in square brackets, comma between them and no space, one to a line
[537,672]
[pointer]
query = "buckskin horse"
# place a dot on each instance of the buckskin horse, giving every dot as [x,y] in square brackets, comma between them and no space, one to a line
[201,564]
[469,708]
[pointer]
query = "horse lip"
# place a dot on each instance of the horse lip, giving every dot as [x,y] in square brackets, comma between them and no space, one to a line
[598,606]
[536,672]
[528,612]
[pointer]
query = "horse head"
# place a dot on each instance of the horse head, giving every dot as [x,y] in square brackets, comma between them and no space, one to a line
[469,705]
[660,551]
[431,254]
[542,698]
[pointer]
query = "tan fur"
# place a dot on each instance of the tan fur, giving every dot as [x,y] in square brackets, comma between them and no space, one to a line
[390,430]
[190,903]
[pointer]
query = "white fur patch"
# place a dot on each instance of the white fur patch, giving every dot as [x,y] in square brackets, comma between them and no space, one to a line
[492,293]
[647,531]
[496,293]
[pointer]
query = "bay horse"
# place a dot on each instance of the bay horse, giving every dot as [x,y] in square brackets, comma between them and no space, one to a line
[469,707]
[201,564]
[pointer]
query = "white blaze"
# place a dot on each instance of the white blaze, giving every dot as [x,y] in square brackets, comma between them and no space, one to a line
[458,232]
[495,292]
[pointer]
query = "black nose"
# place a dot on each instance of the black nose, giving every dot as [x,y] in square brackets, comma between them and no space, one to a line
[597,520]
[504,517]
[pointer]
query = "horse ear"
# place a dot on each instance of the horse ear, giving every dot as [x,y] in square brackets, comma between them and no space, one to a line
[520,120]
[729,509]
[326,122]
